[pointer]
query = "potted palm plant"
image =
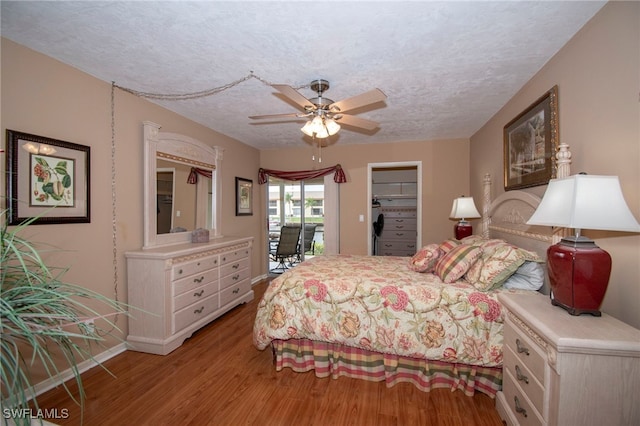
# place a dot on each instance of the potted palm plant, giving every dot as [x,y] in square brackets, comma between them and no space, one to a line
[42,316]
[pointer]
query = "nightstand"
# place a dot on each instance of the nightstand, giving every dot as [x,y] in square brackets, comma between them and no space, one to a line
[567,370]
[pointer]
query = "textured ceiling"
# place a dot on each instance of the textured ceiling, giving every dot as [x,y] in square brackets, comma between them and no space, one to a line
[446,67]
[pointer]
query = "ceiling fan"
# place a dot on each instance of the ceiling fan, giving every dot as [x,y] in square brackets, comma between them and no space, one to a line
[325,115]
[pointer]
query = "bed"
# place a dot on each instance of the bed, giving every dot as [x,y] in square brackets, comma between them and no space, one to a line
[432,320]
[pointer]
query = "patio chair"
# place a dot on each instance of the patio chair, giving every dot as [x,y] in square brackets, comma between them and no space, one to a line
[287,248]
[309,243]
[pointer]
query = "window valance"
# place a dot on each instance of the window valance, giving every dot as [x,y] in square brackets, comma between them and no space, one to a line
[338,177]
[195,171]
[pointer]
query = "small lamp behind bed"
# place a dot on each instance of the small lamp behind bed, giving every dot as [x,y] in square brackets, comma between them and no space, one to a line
[578,269]
[463,208]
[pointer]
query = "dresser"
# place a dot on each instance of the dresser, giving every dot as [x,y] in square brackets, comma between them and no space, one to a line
[399,234]
[175,290]
[567,370]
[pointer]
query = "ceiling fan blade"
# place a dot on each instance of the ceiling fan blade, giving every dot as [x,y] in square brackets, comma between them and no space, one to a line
[260,117]
[296,97]
[352,120]
[370,97]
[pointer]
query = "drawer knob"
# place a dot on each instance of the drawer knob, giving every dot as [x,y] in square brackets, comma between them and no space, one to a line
[522,348]
[199,311]
[198,294]
[198,280]
[236,291]
[235,277]
[236,266]
[519,409]
[521,376]
[179,271]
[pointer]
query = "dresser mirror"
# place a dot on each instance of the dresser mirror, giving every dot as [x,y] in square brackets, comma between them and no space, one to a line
[181,187]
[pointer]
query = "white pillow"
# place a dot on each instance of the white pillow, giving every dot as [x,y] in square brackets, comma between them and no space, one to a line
[529,276]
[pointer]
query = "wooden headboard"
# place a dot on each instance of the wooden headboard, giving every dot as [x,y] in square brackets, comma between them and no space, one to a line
[506,216]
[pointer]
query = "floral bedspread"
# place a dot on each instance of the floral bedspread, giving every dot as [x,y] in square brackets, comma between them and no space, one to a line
[377,303]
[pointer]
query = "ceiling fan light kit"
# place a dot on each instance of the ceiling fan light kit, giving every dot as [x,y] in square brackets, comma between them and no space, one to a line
[320,127]
[324,113]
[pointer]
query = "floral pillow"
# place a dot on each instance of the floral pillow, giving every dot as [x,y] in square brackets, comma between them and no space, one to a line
[425,259]
[472,239]
[455,263]
[496,265]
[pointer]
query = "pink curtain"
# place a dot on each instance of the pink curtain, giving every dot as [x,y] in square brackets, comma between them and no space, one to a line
[338,177]
[195,171]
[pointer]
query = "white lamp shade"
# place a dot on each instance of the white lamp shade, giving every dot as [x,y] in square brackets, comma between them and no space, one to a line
[585,202]
[322,132]
[464,208]
[332,126]
[307,129]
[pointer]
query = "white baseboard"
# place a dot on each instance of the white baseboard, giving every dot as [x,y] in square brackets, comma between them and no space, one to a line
[85,365]
[256,280]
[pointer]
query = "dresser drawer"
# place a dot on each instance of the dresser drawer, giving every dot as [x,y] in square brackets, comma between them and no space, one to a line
[231,267]
[189,268]
[234,291]
[399,224]
[234,278]
[518,402]
[525,379]
[389,245]
[528,353]
[194,281]
[399,213]
[395,235]
[193,296]
[194,312]
[232,256]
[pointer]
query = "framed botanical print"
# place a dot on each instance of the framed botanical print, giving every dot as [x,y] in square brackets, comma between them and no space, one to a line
[244,197]
[530,144]
[47,179]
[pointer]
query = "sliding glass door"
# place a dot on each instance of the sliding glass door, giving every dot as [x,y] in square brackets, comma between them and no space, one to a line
[301,204]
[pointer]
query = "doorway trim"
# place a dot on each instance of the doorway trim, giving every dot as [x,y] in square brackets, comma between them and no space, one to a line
[389,165]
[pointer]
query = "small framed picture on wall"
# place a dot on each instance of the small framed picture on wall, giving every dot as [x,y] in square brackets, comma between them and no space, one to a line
[244,197]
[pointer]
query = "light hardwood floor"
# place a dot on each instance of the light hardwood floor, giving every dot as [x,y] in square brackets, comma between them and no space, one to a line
[217,377]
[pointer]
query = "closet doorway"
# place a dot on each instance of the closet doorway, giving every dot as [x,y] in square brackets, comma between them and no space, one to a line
[395,208]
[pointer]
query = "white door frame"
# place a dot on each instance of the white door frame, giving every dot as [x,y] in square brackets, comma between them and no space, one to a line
[370,167]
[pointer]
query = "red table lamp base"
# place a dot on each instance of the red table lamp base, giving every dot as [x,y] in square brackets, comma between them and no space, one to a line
[462,229]
[579,275]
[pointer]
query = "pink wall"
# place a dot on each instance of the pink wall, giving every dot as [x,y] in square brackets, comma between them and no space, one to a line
[598,78]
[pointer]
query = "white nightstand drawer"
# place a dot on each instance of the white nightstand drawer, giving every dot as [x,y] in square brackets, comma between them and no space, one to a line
[528,383]
[524,411]
[189,297]
[527,351]
[193,313]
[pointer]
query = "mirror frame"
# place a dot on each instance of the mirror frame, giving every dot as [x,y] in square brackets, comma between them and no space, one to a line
[186,150]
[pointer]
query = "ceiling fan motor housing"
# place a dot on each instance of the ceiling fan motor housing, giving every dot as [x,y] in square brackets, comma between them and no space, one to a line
[320,86]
